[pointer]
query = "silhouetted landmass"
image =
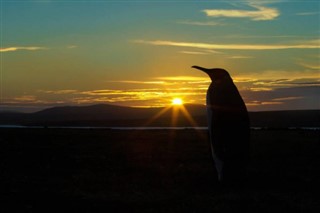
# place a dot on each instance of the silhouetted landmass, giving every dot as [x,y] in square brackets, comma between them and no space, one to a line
[111,115]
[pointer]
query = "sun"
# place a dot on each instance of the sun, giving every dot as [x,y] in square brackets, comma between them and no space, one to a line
[177,101]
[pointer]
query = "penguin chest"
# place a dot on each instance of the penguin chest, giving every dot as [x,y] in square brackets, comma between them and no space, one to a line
[209,110]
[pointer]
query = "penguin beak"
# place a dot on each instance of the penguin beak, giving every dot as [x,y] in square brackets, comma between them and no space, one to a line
[201,68]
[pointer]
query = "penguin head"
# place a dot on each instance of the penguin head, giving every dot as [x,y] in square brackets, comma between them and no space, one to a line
[216,74]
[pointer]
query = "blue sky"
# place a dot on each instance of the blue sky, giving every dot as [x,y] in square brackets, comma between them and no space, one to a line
[139,53]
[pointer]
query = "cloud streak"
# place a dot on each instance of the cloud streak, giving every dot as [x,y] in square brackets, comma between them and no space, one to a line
[13,49]
[314,44]
[310,66]
[184,78]
[199,23]
[240,57]
[194,52]
[138,82]
[260,14]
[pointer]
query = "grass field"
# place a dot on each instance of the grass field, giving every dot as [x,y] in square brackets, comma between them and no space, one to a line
[70,170]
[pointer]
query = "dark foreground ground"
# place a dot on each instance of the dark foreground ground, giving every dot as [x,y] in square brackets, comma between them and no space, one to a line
[68,170]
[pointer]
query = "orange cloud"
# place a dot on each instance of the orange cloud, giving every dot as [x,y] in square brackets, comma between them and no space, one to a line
[138,82]
[183,78]
[25,98]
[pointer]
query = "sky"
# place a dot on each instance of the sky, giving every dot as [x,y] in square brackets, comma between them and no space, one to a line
[140,53]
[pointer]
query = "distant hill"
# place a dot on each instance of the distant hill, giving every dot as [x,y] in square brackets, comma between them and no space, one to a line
[112,115]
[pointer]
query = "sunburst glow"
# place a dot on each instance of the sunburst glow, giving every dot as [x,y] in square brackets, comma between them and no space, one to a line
[177,101]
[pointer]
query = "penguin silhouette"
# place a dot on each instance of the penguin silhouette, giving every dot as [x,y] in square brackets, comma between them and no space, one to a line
[228,125]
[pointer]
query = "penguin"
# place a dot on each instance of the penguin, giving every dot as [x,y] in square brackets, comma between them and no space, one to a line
[228,126]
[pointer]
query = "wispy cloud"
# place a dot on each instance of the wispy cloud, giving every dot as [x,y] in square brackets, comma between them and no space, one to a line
[201,52]
[315,66]
[12,49]
[25,98]
[259,89]
[258,103]
[287,98]
[264,36]
[164,81]
[277,75]
[71,46]
[58,92]
[314,44]
[138,82]
[183,78]
[240,57]
[194,52]
[199,23]
[260,14]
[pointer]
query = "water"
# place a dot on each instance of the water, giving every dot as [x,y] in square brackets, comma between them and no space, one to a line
[94,127]
[141,127]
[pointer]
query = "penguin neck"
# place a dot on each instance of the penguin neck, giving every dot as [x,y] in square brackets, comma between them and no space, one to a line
[221,82]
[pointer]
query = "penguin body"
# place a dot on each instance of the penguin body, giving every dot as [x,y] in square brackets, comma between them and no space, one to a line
[228,125]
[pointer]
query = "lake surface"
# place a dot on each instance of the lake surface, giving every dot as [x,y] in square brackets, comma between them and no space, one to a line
[140,128]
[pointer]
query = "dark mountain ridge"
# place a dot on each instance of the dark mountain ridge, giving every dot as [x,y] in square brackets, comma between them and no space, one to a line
[112,115]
